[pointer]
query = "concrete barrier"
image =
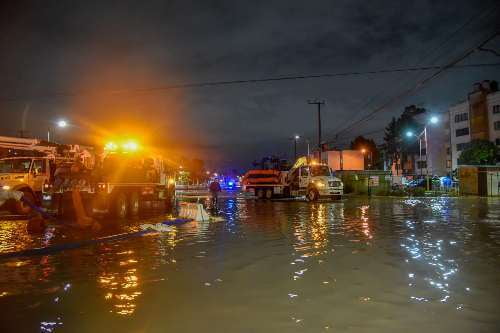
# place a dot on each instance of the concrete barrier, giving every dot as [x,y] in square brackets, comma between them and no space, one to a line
[193,211]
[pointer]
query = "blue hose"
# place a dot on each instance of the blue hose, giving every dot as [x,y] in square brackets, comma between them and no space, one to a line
[40,210]
[74,245]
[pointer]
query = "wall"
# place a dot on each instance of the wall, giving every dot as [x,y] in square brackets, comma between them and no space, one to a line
[493,99]
[455,110]
[344,160]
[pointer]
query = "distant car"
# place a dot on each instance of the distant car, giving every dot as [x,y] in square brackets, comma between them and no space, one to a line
[422,182]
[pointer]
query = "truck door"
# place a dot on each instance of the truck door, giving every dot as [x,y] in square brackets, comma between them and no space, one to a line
[304,178]
[39,174]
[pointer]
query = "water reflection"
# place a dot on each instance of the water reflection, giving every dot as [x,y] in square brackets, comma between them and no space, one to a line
[291,266]
[428,258]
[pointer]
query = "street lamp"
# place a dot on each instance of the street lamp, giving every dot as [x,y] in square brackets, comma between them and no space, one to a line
[61,123]
[295,139]
[433,120]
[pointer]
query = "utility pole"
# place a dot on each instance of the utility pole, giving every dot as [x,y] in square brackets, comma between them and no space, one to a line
[319,104]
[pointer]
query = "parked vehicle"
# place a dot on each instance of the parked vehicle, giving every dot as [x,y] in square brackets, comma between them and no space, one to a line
[30,165]
[305,178]
[124,181]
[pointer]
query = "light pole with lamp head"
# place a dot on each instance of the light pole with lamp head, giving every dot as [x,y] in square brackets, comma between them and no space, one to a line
[59,124]
[296,137]
[433,120]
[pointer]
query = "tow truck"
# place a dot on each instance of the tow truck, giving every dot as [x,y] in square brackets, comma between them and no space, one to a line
[306,178]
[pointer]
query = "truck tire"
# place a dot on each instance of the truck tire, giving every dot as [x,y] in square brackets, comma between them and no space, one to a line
[20,207]
[133,204]
[269,193]
[312,195]
[120,206]
[260,193]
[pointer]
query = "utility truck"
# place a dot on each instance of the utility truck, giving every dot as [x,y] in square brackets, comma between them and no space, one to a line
[306,178]
[125,180]
[120,180]
[28,165]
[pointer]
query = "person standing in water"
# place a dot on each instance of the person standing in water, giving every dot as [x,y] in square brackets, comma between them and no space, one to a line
[214,189]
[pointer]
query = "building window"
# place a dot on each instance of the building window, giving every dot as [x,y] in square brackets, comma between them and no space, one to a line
[423,151]
[497,142]
[421,164]
[461,117]
[447,150]
[496,108]
[462,131]
[496,124]
[462,146]
[448,164]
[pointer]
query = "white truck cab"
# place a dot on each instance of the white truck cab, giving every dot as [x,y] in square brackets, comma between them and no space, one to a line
[315,181]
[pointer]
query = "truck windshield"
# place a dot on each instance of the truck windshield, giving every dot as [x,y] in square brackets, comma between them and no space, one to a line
[18,165]
[320,170]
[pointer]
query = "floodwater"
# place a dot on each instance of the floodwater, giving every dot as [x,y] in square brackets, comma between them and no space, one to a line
[358,265]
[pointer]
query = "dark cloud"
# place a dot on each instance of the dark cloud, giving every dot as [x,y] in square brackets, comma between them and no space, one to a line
[96,46]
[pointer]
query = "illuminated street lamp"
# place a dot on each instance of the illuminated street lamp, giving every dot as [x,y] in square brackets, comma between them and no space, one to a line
[433,120]
[61,123]
[295,139]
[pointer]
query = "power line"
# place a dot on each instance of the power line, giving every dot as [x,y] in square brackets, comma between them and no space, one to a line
[421,83]
[236,82]
[483,13]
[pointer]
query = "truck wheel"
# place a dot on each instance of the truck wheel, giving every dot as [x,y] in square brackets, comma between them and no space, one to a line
[269,193]
[260,193]
[133,204]
[312,195]
[120,206]
[20,207]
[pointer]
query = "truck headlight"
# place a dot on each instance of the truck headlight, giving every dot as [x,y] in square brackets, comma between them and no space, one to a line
[320,184]
[6,187]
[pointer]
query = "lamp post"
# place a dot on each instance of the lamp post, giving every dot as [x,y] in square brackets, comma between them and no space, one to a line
[59,124]
[433,120]
[295,139]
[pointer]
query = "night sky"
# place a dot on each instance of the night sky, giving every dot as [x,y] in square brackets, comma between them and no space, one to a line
[96,51]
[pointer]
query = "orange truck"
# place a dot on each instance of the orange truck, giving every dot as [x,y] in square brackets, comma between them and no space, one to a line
[306,178]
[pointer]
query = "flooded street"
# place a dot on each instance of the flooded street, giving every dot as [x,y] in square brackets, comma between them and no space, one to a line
[357,265]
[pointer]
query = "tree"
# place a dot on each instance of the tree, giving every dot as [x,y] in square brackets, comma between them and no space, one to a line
[371,152]
[396,145]
[479,152]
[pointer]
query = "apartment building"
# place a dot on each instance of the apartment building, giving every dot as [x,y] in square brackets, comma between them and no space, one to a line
[477,118]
